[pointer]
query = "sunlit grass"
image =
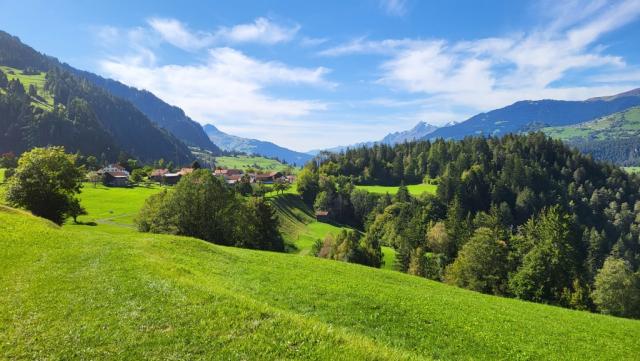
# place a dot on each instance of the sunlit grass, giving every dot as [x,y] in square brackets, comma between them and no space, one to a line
[81,292]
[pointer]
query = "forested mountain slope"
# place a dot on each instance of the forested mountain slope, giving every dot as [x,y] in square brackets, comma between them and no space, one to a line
[63,109]
[528,114]
[166,116]
[614,138]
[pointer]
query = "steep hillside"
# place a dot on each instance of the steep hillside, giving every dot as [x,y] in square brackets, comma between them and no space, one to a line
[527,115]
[105,294]
[253,146]
[164,115]
[78,115]
[614,138]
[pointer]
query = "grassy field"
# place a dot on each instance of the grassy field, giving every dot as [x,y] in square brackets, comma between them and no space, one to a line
[244,162]
[113,205]
[38,80]
[414,189]
[81,292]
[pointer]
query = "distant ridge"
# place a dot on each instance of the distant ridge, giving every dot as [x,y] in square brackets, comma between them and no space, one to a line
[419,131]
[253,146]
[534,114]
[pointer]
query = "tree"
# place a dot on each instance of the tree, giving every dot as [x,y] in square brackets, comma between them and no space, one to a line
[481,264]
[4,81]
[264,226]
[545,246]
[137,175]
[45,183]
[75,210]
[33,92]
[617,289]
[308,186]
[15,87]
[92,162]
[94,177]
[281,186]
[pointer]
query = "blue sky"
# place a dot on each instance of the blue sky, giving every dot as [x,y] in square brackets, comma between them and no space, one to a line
[318,74]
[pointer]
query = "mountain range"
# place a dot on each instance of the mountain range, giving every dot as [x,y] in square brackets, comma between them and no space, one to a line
[419,131]
[96,116]
[534,114]
[234,143]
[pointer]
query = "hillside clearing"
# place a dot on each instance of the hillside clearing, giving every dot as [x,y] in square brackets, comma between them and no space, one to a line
[143,296]
[37,80]
[414,189]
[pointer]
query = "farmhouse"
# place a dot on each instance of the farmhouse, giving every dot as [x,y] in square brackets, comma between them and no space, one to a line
[114,175]
[227,172]
[267,178]
[174,178]
[115,179]
[157,175]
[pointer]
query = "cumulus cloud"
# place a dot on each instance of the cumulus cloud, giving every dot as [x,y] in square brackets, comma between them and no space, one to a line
[228,88]
[492,72]
[261,30]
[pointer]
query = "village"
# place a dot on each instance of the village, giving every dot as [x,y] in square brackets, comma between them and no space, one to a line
[115,175]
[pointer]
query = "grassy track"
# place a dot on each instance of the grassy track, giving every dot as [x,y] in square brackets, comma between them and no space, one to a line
[81,292]
[414,189]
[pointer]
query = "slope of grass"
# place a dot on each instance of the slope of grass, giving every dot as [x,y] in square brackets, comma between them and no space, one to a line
[298,223]
[414,189]
[624,124]
[113,205]
[244,162]
[82,292]
[38,80]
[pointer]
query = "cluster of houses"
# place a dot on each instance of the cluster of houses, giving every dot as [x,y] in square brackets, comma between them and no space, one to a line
[115,175]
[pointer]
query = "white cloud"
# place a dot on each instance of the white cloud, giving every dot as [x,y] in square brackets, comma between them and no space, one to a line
[394,7]
[261,30]
[177,34]
[228,89]
[492,72]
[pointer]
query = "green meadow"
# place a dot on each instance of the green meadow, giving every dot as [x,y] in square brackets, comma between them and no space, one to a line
[615,126]
[414,189]
[83,292]
[37,80]
[244,162]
